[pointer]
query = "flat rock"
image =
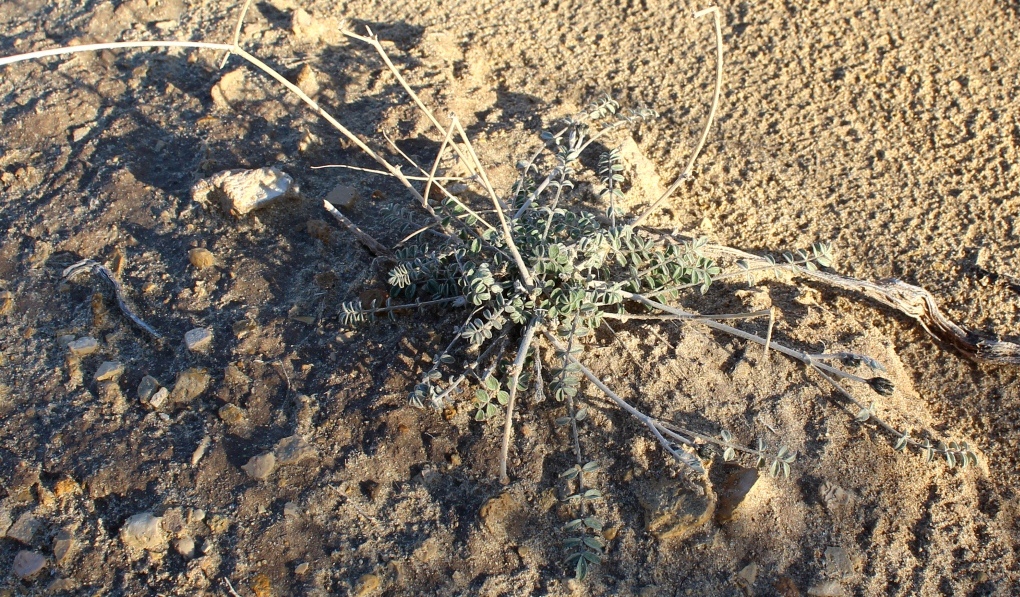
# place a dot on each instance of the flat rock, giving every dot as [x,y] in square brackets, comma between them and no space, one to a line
[261,466]
[190,384]
[83,346]
[146,388]
[241,191]
[63,545]
[143,532]
[109,371]
[747,577]
[229,89]
[25,528]
[27,564]
[838,562]
[673,510]
[342,196]
[737,484]
[198,339]
[294,449]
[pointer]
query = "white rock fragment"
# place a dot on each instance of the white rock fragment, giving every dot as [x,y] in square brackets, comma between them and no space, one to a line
[186,547]
[27,564]
[109,371]
[80,133]
[241,191]
[342,196]
[199,452]
[261,466]
[143,532]
[83,346]
[159,399]
[293,449]
[198,339]
[146,388]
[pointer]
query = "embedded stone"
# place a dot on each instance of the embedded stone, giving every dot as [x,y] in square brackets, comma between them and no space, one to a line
[293,449]
[159,399]
[83,346]
[143,532]
[24,528]
[63,544]
[190,384]
[198,339]
[261,466]
[673,511]
[231,414]
[342,196]
[146,388]
[109,371]
[27,564]
[201,258]
[186,547]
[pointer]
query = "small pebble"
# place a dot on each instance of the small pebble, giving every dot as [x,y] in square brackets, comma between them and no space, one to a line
[27,564]
[201,258]
[367,584]
[64,340]
[307,81]
[159,399]
[261,466]
[80,133]
[186,547]
[189,385]
[146,388]
[198,339]
[301,568]
[109,371]
[197,514]
[83,346]
[342,196]
[143,531]
[231,414]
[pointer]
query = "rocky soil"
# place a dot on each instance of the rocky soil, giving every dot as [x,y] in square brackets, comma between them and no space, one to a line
[259,448]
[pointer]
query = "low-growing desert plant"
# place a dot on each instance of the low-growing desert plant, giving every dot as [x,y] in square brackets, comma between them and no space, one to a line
[535,276]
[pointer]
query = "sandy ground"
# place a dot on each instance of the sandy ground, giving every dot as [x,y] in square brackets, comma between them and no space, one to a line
[891,129]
